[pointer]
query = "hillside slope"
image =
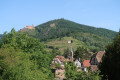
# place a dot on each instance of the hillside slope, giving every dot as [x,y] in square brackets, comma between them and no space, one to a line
[93,38]
[62,27]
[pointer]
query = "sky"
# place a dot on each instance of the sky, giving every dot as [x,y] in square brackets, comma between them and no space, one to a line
[98,13]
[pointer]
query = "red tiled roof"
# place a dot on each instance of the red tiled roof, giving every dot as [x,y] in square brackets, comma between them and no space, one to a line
[86,63]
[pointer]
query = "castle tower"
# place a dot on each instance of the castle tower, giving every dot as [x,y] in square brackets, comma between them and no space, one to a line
[33,25]
[71,54]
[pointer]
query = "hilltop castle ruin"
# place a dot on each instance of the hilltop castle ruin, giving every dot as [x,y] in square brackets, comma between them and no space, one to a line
[30,27]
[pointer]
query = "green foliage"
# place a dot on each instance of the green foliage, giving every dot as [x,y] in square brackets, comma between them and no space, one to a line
[70,70]
[24,70]
[56,66]
[92,41]
[72,74]
[71,41]
[81,53]
[43,60]
[55,52]
[110,66]
[88,76]
[66,53]
[24,58]
[22,41]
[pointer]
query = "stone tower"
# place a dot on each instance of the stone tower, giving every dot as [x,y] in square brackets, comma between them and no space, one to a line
[71,54]
[33,25]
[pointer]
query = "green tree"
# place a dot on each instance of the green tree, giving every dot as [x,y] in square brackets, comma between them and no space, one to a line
[70,71]
[81,53]
[110,66]
[22,41]
[88,76]
[24,70]
[24,58]
[66,53]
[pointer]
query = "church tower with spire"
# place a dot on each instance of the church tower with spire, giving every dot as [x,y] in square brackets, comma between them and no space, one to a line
[71,54]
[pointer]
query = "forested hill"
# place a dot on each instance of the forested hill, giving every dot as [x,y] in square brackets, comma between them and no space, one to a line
[93,38]
[62,27]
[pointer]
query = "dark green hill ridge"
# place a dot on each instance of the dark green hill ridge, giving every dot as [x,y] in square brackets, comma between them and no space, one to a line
[94,38]
[63,27]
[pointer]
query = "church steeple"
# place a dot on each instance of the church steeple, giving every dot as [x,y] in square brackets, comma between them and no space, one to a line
[71,54]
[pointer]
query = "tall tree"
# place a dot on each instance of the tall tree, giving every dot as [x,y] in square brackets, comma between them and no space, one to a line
[70,71]
[110,66]
[66,53]
[81,53]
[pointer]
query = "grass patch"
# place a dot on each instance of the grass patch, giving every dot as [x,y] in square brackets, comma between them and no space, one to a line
[63,43]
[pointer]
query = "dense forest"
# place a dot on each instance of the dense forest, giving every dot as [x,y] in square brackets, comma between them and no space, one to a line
[24,58]
[94,38]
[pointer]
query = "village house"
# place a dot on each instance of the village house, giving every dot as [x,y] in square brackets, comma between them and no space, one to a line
[92,63]
[69,41]
[59,59]
[96,59]
[58,72]
[77,63]
[85,65]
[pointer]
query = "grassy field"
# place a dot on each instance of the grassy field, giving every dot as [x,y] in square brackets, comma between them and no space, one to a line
[62,43]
